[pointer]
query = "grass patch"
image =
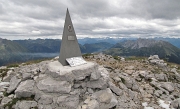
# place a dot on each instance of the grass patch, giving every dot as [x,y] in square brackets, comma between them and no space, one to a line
[36,61]
[87,55]
[123,80]
[3,72]
[116,57]
[135,58]
[12,65]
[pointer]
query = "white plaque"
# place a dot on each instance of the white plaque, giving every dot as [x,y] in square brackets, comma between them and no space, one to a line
[75,61]
[71,37]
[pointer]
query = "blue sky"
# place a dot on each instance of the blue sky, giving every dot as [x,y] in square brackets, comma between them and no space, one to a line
[24,19]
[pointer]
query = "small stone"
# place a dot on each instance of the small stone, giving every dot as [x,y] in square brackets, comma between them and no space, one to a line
[90,90]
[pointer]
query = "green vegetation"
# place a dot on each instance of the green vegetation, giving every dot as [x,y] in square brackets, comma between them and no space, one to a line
[3,72]
[123,80]
[135,58]
[36,61]
[86,55]
[12,65]
[116,57]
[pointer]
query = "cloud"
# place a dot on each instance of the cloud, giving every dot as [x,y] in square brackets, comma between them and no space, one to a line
[25,19]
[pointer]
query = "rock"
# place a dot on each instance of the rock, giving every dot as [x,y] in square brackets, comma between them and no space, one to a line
[116,79]
[176,103]
[100,83]
[9,75]
[14,82]
[26,105]
[26,76]
[131,84]
[67,73]
[5,100]
[90,90]
[68,102]
[3,86]
[152,57]
[177,75]
[168,86]
[115,89]
[50,85]
[155,60]
[161,77]
[25,89]
[93,104]
[158,93]
[45,99]
[95,75]
[122,59]
[157,86]
[46,107]
[1,94]
[129,68]
[130,72]
[105,98]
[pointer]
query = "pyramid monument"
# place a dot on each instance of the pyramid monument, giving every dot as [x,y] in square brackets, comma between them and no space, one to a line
[69,44]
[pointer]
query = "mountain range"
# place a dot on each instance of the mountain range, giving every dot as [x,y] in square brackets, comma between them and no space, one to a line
[23,50]
[145,48]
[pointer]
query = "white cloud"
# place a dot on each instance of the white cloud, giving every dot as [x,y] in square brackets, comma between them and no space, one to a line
[91,18]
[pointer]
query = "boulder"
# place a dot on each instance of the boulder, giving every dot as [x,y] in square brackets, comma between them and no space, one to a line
[161,77]
[105,98]
[131,83]
[152,57]
[68,102]
[67,73]
[26,105]
[14,82]
[3,86]
[115,89]
[176,103]
[100,83]
[93,104]
[95,75]
[25,89]
[51,85]
[9,75]
[45,99]
[168,86]
[26,76]
[5,100]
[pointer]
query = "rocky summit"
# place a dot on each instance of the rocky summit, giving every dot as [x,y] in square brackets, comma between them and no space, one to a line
[105,82]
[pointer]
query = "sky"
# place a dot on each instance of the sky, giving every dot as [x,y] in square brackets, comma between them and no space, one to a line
[32,19]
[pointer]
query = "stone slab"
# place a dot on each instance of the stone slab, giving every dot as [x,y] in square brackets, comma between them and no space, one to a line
[67,73]
[50,85]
